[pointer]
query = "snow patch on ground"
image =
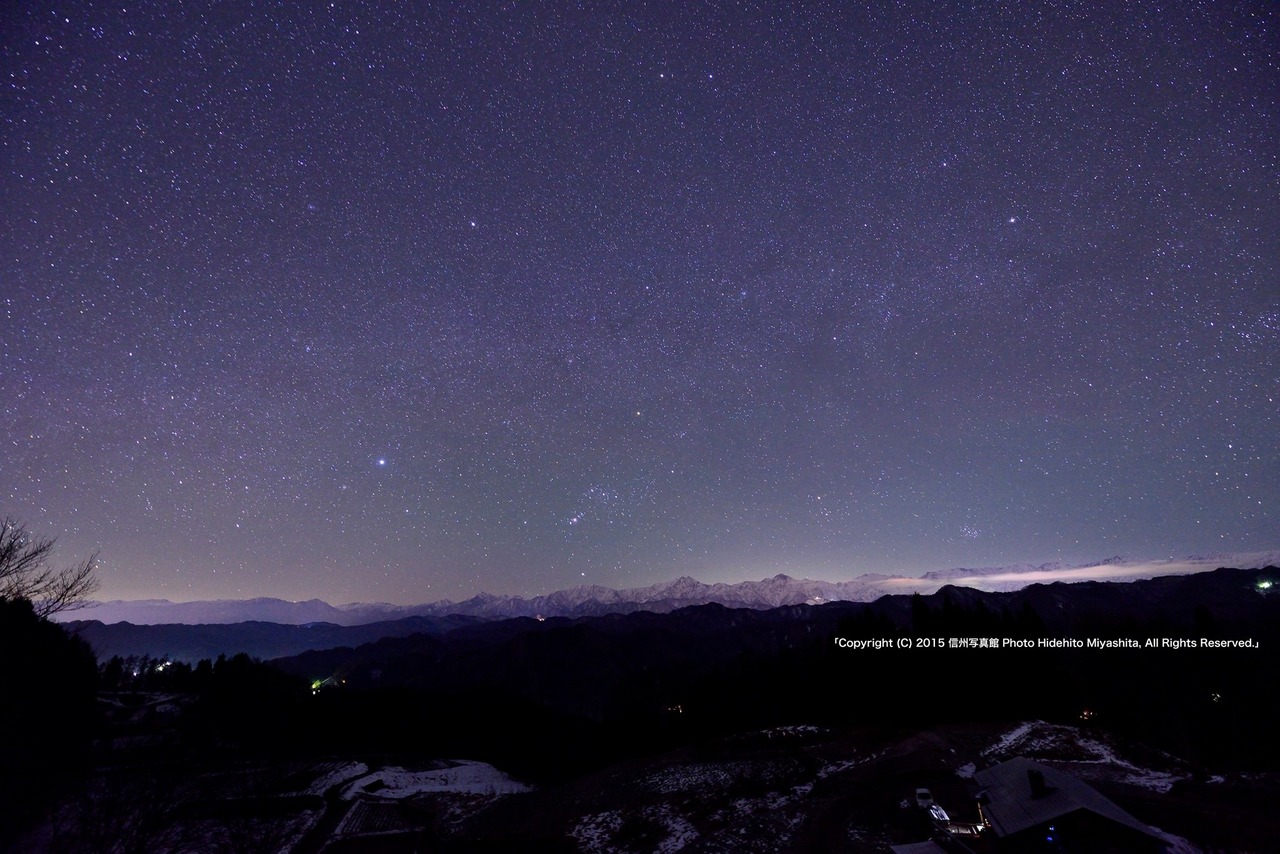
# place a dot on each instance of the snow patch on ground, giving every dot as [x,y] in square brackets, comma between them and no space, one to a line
[836,767]
[1082,752]
[595,832]
[1176,844]
[656,827]
[334,773]
[718,807]
[459,776]
[793,731]
[966,771]
[695,777]
[1012,740]
[867,839]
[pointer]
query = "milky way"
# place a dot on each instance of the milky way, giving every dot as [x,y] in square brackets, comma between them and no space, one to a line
[372,301]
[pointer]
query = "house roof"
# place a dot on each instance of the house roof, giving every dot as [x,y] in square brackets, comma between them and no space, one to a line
[1014,808]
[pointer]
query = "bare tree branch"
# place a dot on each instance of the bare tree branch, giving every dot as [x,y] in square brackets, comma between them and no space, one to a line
[25,572]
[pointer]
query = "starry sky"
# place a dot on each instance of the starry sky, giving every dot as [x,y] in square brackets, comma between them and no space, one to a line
[371,301]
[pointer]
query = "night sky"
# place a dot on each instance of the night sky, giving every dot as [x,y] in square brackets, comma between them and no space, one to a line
[375,301]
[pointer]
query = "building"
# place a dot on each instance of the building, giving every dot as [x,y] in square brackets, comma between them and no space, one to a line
[1033,808]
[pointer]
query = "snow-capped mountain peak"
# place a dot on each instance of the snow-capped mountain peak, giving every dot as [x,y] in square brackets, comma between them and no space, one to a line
[594,599]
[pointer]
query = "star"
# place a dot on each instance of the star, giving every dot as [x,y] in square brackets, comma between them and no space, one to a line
[694,307]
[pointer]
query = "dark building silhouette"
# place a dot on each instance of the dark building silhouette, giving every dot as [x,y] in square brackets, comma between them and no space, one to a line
[1032,808]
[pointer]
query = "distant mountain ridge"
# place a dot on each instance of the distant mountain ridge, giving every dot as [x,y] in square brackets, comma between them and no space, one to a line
[596,600]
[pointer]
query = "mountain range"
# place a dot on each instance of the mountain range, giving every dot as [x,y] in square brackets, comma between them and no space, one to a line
[595,600]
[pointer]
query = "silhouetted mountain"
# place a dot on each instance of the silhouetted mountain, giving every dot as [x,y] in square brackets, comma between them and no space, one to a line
[709,668]
[627,650]
[1066,609]
[259,639]
[553,697]
[595,600]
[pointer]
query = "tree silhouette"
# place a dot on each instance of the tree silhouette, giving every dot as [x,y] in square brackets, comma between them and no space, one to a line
[25,573]
[47,714]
